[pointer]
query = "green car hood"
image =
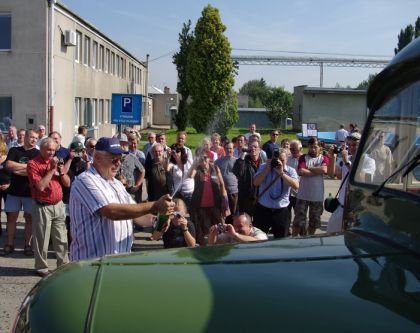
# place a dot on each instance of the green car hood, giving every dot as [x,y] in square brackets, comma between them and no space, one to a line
[343,283]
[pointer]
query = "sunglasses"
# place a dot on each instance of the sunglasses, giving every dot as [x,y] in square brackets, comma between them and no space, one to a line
[115,160]
[91,146]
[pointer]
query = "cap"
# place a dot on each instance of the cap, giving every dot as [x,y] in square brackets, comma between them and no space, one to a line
[110,145]
[122,137]
[76,146]
[354,136]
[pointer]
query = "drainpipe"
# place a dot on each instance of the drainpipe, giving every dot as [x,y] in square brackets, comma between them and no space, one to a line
[50,78]
[146,105]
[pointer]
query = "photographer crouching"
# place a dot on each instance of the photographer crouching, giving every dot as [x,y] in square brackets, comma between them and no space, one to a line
[275,179]
[240,231]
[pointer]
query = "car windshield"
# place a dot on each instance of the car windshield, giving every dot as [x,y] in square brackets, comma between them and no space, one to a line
[393,140]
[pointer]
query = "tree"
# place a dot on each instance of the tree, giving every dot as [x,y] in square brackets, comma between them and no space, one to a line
[210,69]
[407,35]
[256,90]
[366,83]
[227,115]
[279,105]
[180,59]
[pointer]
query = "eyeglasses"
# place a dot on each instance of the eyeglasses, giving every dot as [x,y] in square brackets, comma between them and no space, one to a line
[115,160]
[91,146]
[275,134]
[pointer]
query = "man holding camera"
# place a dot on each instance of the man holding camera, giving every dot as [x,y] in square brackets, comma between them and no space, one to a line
[241,231]
[46,176]
[341,168]
[245,169]
[275,179]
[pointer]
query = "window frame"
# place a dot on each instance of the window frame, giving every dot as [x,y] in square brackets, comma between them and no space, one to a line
[7,15]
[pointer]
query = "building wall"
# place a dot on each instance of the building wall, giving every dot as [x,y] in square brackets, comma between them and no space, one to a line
[23,69]
[162,104]
[329,108]
[93,83]
[250,116]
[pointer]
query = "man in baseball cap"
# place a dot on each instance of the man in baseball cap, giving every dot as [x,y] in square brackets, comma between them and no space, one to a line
[102,211]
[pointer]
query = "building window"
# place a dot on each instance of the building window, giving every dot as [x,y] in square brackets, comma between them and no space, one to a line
[101,58]
[94,110]
[112,69]
[5,112]
[107,61]
[118,65]
[86,51]
[87,112]
[137,75]
[5,31]
[101,111]
[107,112]
[77,118]
[95,55]
[78,48]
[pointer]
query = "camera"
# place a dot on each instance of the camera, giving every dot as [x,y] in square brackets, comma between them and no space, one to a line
[78,154]
[221,228]
[178,215]
[275,158]
[338,150]
[60,161]
[245,150]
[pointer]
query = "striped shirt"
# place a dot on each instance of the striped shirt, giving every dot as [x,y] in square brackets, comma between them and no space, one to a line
[94,235]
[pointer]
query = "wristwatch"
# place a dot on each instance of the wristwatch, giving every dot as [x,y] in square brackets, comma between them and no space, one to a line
[348,164]
[185,230]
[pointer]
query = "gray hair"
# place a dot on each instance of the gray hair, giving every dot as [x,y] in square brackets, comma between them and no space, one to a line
[46,141]
[297,143]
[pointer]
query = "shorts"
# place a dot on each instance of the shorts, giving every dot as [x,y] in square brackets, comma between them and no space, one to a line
[14,204]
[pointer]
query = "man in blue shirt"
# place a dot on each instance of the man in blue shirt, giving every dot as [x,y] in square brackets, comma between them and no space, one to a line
[271,144]
[275,179]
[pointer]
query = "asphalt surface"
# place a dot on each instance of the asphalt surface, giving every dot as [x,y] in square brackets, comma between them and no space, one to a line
[17,276]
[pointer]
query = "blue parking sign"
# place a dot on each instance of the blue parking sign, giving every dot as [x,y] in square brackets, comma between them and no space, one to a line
[126,109]
[127,104]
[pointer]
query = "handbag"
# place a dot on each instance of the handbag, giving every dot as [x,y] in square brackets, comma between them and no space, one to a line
[331,204]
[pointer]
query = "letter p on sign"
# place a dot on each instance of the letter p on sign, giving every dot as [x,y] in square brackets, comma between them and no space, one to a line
[127,104]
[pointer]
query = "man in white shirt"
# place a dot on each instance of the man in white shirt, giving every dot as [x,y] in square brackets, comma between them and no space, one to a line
[252,131]
[341,135]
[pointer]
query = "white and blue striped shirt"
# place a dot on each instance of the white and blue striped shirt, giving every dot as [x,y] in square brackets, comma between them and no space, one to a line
[94,235]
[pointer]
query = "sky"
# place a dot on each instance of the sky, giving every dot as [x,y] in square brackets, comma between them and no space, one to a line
[356,28]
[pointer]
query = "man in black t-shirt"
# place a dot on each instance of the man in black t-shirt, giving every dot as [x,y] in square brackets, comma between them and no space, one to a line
[19,194]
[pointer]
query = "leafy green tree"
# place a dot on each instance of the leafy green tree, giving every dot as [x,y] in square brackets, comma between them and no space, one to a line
[366,83]
[180,59]
[256,90]
[279,105]
[210,70]
[227,115]
[417,28]
[407,35]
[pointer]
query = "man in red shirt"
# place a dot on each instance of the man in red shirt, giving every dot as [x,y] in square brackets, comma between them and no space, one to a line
[46,175]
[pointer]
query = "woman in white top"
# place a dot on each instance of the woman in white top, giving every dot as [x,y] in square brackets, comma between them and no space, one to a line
[178,167]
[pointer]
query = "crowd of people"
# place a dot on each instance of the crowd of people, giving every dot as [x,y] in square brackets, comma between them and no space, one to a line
[85,198]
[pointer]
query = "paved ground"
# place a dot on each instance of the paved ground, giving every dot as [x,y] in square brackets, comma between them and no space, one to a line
[17,275]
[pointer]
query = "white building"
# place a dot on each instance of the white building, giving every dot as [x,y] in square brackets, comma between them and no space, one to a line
[59,70]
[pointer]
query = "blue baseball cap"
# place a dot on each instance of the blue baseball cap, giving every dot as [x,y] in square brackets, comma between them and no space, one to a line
[110,145]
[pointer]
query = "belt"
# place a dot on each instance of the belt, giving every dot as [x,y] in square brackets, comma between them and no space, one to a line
[42,203]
